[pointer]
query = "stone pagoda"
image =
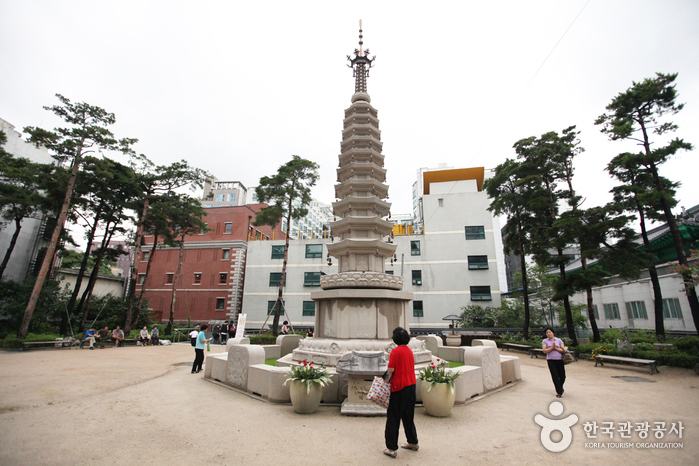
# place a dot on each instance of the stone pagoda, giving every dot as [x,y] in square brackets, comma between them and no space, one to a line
[359,307]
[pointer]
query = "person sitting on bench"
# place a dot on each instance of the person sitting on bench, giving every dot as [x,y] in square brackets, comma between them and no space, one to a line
[89,337]
[155,336]
[102,336]
[118,336]
[143,336]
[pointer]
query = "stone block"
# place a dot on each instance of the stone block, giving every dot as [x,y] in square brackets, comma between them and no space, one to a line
[236,341]
[272,351]
[288,343]
[240,358]
[488,359]
[483,343]
[469,383]
[432,342]
[662,346]
[268,382]
[509,366]
[450,353]
[215,367]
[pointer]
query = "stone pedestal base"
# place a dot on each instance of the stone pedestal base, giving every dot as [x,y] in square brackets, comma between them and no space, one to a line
[361,409]
[329,351]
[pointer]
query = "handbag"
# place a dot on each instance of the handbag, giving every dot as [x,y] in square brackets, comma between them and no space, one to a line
[380,392]
[568,358]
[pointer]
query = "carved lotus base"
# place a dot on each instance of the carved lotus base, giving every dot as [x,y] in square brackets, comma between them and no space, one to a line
[361,280]
[329,351]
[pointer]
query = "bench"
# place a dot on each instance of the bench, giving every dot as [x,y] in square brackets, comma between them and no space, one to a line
[517,346]
[54,344]
[600,358]
[535,352]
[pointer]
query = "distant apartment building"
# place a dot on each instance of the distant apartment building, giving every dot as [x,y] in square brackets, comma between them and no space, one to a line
[211,280]
[35,232]
[219,193]
[452,262]
[123,262]
[313,225]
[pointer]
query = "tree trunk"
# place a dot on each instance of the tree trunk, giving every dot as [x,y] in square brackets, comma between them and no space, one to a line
[145,279]
[79,279]
[133,275]
[278,304]
[570,325]
[171,320]
[13,242]
[87,295]
[525,288]
[657,291]
[51,249]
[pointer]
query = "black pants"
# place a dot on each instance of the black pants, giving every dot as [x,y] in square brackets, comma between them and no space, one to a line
[558,374]
[401,407]
[198,359]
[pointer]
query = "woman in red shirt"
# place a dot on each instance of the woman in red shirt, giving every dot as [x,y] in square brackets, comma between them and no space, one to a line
[401,370]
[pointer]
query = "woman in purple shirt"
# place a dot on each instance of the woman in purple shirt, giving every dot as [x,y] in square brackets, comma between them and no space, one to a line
[553,349]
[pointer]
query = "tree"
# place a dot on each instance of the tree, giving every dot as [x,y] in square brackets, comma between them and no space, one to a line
[508,193]
[20,192]
[635,195]
[185,219]
[634,115]
[154,180]
[288,193]
[545,162]
[87,133]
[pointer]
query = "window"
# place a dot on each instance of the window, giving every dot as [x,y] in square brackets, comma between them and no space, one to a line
[414,248]
[611,311]
[220,303]
[417,308]
[197,278]
[141,278]
[205,229]
[440,202]
[594,309]
[228,228]
[636,310]
[481,293]
[222,278]
[314,251]
[278,252]
[225,254]
[475,232]
[417,277]
[671,308]
[231,197]
[270,308]
[389,272]
[275,278]
[144,255]
[220,197]
[477,262]
[309,308]
[311,279]
[169,278]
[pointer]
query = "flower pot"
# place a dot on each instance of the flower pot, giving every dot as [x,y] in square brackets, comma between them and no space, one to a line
[453,340]
[304,401]
[439,401]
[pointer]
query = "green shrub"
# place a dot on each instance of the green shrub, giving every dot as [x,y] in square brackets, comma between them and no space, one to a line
[689,345]
[643,336]
[264,339]
[611,335]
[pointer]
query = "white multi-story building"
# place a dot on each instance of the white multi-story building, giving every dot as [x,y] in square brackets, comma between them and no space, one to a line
[452,262]
[34,233]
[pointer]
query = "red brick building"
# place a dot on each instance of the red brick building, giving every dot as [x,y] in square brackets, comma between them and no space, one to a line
[210,284]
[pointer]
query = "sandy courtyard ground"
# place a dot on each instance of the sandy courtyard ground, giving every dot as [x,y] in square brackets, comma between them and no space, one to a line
[138,405]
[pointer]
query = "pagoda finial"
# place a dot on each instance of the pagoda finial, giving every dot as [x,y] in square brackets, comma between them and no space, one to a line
[360,64]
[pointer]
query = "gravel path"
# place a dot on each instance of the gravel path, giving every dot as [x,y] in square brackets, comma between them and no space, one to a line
[138,405]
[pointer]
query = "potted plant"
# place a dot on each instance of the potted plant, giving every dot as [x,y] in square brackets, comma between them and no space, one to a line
[437,388]
[306,389]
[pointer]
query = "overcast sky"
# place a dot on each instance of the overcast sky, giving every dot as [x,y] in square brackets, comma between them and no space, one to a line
[237,87]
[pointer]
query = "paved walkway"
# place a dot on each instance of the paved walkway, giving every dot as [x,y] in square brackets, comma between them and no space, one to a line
[138,405]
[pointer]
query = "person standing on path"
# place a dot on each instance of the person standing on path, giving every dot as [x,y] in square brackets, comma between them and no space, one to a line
[401,407]
[199,349]
[553,349]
